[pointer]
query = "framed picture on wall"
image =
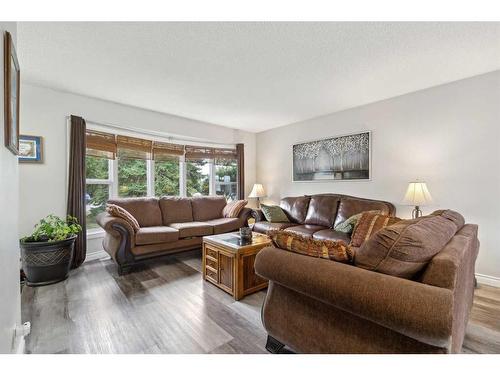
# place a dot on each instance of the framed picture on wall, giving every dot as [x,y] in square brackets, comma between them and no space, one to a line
[11,95]
[346,157]
[30,149]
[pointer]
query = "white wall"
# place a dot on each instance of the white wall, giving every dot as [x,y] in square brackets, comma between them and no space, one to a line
[448,136]
[10,312]
[43,186]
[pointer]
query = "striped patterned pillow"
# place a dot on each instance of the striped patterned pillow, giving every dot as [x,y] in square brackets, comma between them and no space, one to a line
[333,250]
[233,209]
[122,213]
[368,224]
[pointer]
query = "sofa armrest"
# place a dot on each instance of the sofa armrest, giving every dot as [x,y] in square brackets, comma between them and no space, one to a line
[422,312]
[119,239]
[258,215]
[244,215]
[109,224]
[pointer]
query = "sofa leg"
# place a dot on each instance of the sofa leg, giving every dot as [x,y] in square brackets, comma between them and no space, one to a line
[124,270]
[273,346]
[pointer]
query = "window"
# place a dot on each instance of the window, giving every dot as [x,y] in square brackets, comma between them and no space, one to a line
[166,177]
[226,174]
[132,178]
[124,166]
[198,177]
[98,186]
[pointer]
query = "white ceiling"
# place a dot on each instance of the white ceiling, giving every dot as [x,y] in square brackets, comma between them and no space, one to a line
[253,76]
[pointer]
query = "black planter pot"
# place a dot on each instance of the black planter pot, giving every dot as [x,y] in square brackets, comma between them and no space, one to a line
[47,263]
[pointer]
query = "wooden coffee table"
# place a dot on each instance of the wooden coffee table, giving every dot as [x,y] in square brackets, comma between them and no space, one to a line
[228,263]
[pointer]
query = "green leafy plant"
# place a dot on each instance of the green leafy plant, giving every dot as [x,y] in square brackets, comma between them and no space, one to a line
[53,228]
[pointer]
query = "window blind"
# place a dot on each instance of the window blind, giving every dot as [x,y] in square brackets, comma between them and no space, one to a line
[134,148]
[224,153]
[101,144]
[163,151]
[198,152]
[110,146]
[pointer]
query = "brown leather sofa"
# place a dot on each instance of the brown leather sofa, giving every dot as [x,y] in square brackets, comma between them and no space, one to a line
[316,305]
[167,225]
[316,215]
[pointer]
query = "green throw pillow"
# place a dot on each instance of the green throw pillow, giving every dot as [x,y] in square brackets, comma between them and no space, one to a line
[274,214]
[348,225]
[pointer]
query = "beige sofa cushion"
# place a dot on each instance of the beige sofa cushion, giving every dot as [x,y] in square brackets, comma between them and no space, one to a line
[176,210]
[193,229]
[405,248]
[208,208]
[225,224]
[152,235]
[145,210]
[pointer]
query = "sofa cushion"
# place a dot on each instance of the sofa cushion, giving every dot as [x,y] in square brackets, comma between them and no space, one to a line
[152,235]
[233,209]
[368,224]
[193,229]
[322,210]
[176,210]
[305,230]
[296,208]
[145,210]
[333,250]
[405,248]
[225,224]
[274,214]
[265,226]
[120,212]
[167,247]
[332,235]
[208,208]
[351,206]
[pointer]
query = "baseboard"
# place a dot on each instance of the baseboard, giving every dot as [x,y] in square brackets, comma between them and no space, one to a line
[101,254]
[488,280]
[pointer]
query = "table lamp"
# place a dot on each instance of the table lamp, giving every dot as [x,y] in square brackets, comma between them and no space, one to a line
[417,195]
[257,192]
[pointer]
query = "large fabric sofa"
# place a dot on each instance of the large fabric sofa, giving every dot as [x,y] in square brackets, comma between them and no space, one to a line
[167,225]
[316,215]
[316,305]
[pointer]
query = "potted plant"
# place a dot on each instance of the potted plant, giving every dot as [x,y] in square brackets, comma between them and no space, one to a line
[48,252]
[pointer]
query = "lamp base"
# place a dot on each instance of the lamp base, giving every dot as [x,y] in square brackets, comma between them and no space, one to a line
[416,212]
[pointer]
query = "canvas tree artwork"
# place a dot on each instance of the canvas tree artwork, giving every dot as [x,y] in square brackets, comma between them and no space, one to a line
[338,158]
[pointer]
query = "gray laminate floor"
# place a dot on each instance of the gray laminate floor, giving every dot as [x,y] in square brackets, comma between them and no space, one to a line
[165,307]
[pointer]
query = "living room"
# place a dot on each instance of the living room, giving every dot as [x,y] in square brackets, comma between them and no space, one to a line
[181,187]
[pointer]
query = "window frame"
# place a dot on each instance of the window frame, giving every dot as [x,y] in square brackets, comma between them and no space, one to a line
[99,181]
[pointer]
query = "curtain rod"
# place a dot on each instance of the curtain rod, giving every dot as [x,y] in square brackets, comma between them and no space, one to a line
[153,133]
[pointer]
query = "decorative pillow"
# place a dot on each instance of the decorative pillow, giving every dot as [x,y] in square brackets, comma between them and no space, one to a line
[122,213]
[405,248]
[233,209]
[368,224]
[347,226]
[333,250]
[274,214]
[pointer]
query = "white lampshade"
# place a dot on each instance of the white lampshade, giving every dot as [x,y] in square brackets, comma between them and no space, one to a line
[257,191]
[417,194]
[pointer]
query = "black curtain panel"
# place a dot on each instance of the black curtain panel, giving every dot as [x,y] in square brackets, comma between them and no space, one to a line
[241,170]
[76,185]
